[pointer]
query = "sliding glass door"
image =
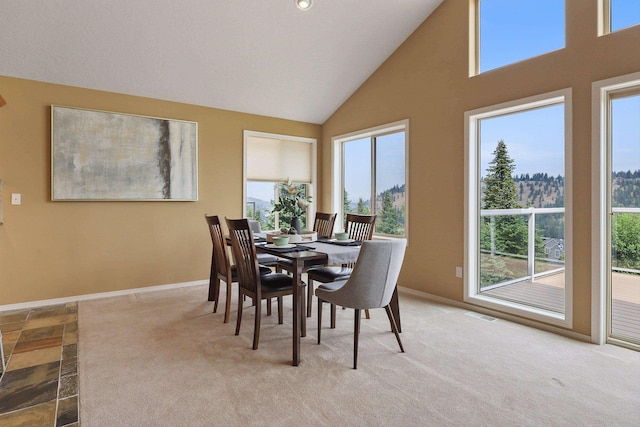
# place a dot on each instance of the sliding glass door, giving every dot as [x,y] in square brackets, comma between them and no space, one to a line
[623,227]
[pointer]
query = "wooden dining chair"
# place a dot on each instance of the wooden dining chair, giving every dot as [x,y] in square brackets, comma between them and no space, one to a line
[371,285]
[323,225]
[250,282]
[359,227]
[221,268]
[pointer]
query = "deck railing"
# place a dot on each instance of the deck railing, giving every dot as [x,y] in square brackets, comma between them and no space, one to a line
[530,257]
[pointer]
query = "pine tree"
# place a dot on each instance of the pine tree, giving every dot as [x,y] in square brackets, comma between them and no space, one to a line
[362,208]
[500,191]
[389,221]
[346,205]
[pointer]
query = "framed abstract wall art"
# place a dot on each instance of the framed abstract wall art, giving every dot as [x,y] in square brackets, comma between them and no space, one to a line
[100,155]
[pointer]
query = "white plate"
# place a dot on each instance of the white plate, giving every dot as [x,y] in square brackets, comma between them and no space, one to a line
[273,245]
[343,241]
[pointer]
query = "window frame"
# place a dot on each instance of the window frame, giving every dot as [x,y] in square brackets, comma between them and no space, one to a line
[472,206]
[311,187]
[475,45]
[337,177]
[604,19]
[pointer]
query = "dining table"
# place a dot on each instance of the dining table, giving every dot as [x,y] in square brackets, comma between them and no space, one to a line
[323,251]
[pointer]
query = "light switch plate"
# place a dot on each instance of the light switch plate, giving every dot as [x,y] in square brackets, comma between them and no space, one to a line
[16,199]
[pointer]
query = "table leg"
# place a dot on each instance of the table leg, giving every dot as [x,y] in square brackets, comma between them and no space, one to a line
[297,271]
[395,308]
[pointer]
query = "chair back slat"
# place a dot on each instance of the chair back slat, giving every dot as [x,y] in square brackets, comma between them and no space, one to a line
[323,224]
[220,255]
[360,227]
[244,255]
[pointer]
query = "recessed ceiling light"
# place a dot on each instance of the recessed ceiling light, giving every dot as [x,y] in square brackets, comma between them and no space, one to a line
[303,4]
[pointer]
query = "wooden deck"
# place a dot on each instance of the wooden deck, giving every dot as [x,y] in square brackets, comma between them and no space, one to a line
[548,293]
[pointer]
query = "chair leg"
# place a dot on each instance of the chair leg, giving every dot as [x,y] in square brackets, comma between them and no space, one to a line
[366,313]
[227,307]
[280,311]
[268,306]
[356,333]
[239,320]
[333,316]
[303,321]
[392,320]
[319,318]
[256,325]
[309,298]
[214,285]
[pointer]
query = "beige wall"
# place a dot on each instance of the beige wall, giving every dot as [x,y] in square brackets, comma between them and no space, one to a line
[426,80]
[62,249]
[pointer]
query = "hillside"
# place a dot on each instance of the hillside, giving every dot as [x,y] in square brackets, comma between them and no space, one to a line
[543,191]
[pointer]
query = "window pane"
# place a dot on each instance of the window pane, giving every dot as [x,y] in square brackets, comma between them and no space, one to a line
[357,176]
[521,166]
[390,183]
[625,220]
[260,196]
[512,31]
[624,13]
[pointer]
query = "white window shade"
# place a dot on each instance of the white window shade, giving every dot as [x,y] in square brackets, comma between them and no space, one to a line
[274,160]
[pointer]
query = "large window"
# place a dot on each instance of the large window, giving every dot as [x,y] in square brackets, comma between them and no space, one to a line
[371,176]
[269,160]
[513,30]
[518,242]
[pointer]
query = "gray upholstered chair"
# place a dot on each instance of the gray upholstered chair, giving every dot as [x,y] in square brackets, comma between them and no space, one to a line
[370,285]
[359,227]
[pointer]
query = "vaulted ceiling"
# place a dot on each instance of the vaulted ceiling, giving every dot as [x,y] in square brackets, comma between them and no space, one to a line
[256,56]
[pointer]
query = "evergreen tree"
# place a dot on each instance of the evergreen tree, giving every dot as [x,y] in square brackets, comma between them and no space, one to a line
[346,205]
[389,222]
[362,208]
[500,191]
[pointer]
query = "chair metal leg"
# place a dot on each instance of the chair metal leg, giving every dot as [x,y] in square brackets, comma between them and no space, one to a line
[239,319]
[356,333]
[392,320]
[319,318]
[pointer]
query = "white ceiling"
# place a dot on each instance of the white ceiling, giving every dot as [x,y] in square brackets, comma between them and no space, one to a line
[256,56]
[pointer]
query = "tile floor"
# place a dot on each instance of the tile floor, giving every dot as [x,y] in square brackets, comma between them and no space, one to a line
[40,386]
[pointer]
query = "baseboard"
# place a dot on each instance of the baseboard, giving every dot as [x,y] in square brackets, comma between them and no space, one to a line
[500,315]
[55,301]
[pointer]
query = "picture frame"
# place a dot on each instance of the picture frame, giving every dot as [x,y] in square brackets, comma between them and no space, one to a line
[102,156]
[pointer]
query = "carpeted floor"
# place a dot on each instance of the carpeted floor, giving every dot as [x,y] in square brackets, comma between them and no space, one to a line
[162,358]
